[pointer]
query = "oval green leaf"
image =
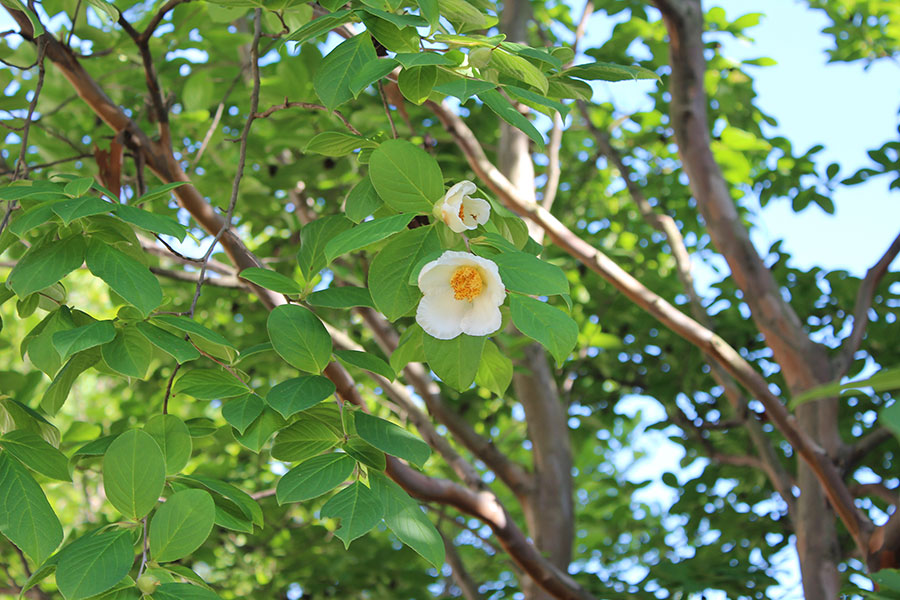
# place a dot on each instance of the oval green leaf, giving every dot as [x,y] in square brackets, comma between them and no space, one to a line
[134,473]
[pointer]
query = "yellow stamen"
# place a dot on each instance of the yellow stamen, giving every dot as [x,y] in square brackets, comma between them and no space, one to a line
[467,283]
[462,216]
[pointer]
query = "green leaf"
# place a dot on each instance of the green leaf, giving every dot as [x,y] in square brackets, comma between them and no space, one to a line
[422,59]
[128,354]
[152,222]
[56,394]
[241,499]
[320,26]
[126,276]
[522,272]
[181,525]
[76,208]
[495,370]
[26,517]
[609,72]
[365,453]
[314,477]
[416,83]
[341,297]
[506,111]
[295,395]
[337,143]
[209,384]
[33,217]
[404,517]
[537,101]
[410,348]
[134,473]
[332,78]
[174,439]
[430,10]
[366,361]
[93,564]
[163,191]
[366,233]
[398,20]
[455,361]
[519,68]
[544,55]
[260,430]
[463,15]
[105,8]
[313,238]
[406,177]
[240,412]
[464,88]
[886,380]
[370,73]
[551,327]
[392,439]
[44,265]
[72,341]
[183,591]
[172,345]
[32,450]
[217,345]
[358,508]
[299,337]
[395,39]
[271,280]
[304,439]
[362,200]
[78,187]
[389,271]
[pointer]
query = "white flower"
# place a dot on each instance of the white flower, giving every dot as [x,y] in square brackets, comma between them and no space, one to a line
[463,294]
[460,211]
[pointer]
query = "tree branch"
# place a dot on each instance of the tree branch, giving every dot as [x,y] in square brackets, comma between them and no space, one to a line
[482,505]
[668,315]
[861,308]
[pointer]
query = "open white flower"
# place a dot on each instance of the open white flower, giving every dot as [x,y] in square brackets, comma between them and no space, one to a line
[463,294]
[460,211]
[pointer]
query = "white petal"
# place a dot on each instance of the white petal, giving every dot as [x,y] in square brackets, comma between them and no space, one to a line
[476,211]
[436,274]
[463,188]
[482,318]
[450,214]
[494,288]
[441,316]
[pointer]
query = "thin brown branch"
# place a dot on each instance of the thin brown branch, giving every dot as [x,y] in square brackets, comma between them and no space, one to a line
[222,282]
[245,134]
[668,315]
[22,163]
[879,490]
[858,451]
[482,505]
[461,576]
[861,308]
[387,110]
[165,406]
[158,17]
[309,106]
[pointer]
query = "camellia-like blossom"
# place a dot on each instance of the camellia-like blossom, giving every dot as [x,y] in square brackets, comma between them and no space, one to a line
[463,294]
[460,211]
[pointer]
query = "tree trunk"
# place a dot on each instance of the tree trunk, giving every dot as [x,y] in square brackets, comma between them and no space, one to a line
[549,509]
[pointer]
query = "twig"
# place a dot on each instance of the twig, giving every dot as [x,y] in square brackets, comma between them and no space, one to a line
[228,368]
[21,163]
[387,109]
[245,134]
[307,105]
[165,406]
[160,14]
[861,308]
[74,19]
[144,550]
